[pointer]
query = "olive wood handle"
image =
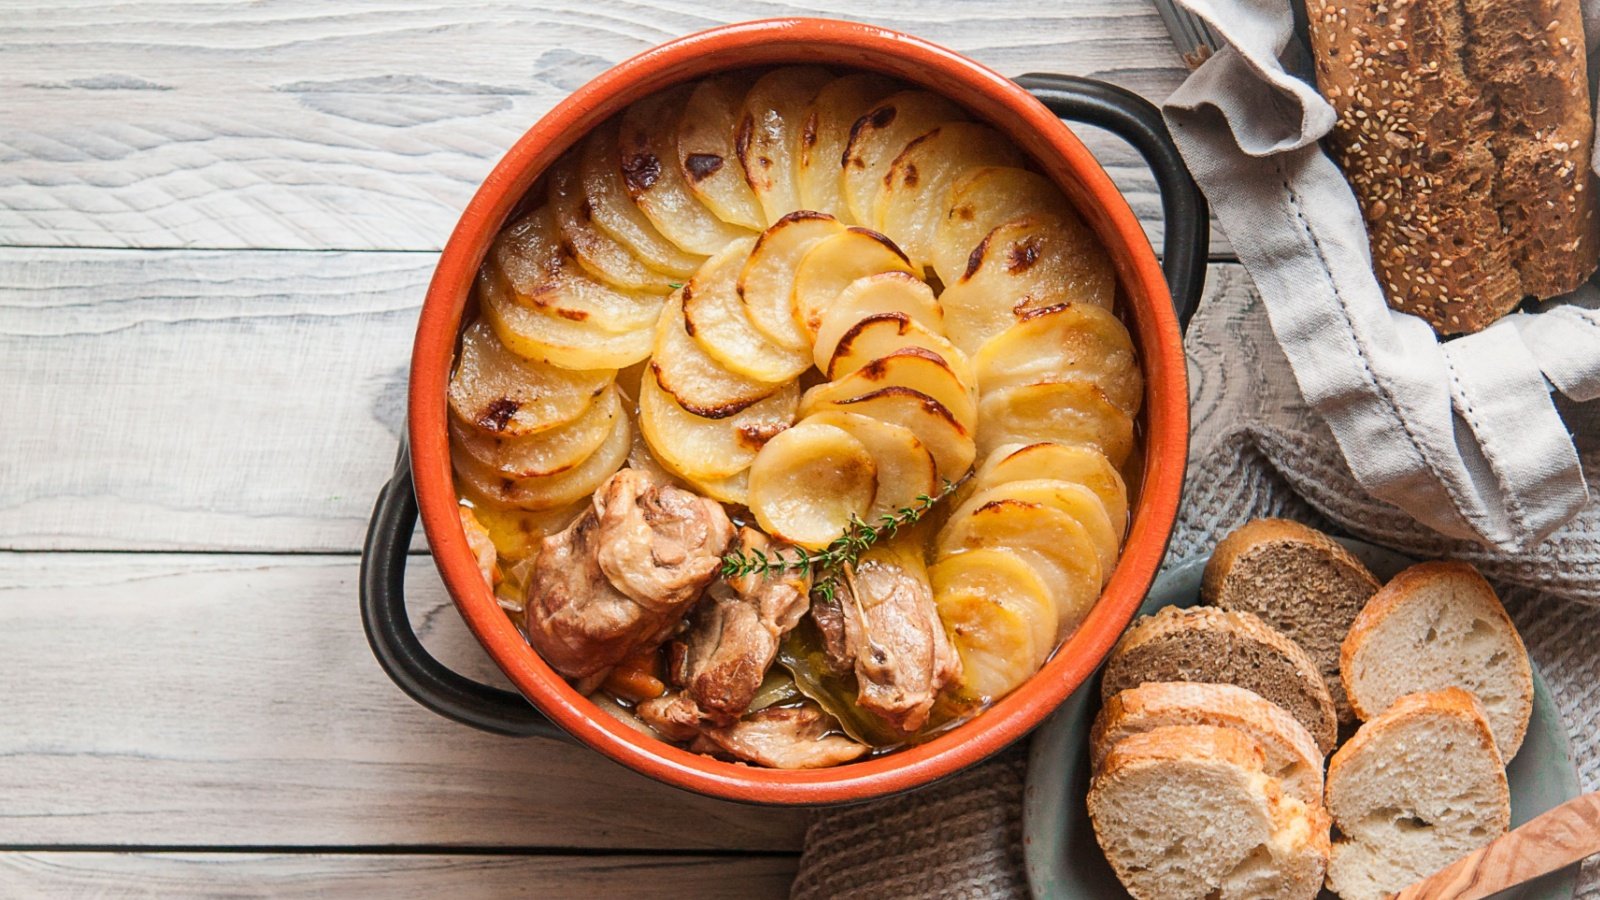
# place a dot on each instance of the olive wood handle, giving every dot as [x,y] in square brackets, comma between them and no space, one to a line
[1550,841]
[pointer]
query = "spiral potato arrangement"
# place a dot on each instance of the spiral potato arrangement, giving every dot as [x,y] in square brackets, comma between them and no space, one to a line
[844,294]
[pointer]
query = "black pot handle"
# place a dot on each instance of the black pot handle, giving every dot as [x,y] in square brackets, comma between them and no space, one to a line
[1137,121]
[395,644]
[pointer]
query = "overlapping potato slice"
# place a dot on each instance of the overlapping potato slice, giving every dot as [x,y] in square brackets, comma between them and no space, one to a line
[766,286]
[615,213]
[1065,342]
[1037,262]
[999,615]
[837,107]
[881,334]
[597,252]
[905,467]
[880,135]
[546,452]
[711,449]
[808,483]
[1067,412]
[1051,541]
[833,262]
[770,134]
[885,292]
[536,268]
[518,533]
[551,491]
[1079,465]
[699,383]
[981,200]
[909,367]
[708,153]
[719,324]
[915,193]
[568,343]
[1075,500]
[947,440]
[647,154]
[507,395]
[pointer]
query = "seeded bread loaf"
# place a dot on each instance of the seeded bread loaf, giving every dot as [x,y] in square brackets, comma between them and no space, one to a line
[1299,581]
[1465,130]
[1220,646]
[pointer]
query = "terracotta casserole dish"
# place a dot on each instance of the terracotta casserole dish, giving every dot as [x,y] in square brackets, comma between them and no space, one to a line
[1144,301]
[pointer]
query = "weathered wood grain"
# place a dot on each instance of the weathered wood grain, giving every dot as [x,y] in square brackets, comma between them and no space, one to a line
[239,401]
[390,877]
[367,125]
[231,700]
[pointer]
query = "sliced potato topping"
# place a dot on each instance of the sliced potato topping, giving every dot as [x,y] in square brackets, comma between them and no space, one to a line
[699,383]
[546,452]
[1061,343]
[885,292]
[808,483]
[647,153]
[711,449]
[905,467]
[829,267]
[881,334]
[880,135]
[825,134]
[570,344]
[1075,500]
[1079,465]
[1051,541]
[517,533]
[503,394]
[915,192]
[999,615]
[766,286]
[615,213]
[708,151]
[950,443]
[909,367]
[542,277]
[600,255]
[770,135]
[982,200]
[1068,412]
[717,320]
[550,491]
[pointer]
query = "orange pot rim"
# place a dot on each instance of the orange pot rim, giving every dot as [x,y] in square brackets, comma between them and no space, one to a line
[1145,298]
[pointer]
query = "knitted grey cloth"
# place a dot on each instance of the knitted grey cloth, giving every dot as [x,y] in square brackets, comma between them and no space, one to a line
[962,837]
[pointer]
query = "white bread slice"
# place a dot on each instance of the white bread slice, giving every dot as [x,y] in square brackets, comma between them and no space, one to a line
[1186,812]
[1415,789]
[1219,646]
[1292,756]
[1299,581]
[1439,625]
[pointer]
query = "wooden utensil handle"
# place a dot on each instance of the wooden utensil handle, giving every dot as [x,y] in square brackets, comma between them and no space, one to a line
[1557,838]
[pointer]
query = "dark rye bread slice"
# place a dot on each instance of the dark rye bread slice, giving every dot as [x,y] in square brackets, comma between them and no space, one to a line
[1218,646]
[1464,130]
[1297,580]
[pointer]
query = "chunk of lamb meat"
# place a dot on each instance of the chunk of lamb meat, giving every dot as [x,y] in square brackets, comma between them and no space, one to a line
[893,633]
[589,605]
[782,737]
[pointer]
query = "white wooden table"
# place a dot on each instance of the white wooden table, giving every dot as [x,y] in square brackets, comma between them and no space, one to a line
[217,221]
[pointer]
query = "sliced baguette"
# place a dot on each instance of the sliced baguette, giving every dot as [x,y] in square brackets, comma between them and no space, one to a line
[1415,789]
[1226,647]
[1187,812]
[1299,581]
[1292,756]
[1439,625]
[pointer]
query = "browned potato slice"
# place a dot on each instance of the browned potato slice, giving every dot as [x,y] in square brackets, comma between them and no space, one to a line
[546,452]
[537,269]
[597,252]
[881,334]
[718,322]
[829,267]
[1061,343]
[905,467]
[711,449]
[909,367]
[708,152]
[880,135]
[770,134]
[699,383]
[1000,617]
[647,153]
[837,107]
[766,286]
[946,439]
[1079,465]
[1024,266]
[915,193]
[550,491]
[885,292]
[615,213]
[1051,541]
[1068,412]
[809,482]
[518,533]
[982,200]
[506,395]
[1075,500]
[533,333]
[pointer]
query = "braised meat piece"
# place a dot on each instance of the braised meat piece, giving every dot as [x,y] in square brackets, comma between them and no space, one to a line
[782,737]
[659,544]
[674,716]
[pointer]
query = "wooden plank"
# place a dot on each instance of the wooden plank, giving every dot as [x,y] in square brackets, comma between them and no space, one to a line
[389,877]
[368,126]
[231,700]
[213,400]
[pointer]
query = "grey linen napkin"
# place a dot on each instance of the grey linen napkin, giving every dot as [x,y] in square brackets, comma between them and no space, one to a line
[1463,435]
[1259,450]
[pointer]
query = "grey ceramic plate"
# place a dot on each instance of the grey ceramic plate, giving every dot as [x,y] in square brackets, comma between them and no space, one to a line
[1065,863]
